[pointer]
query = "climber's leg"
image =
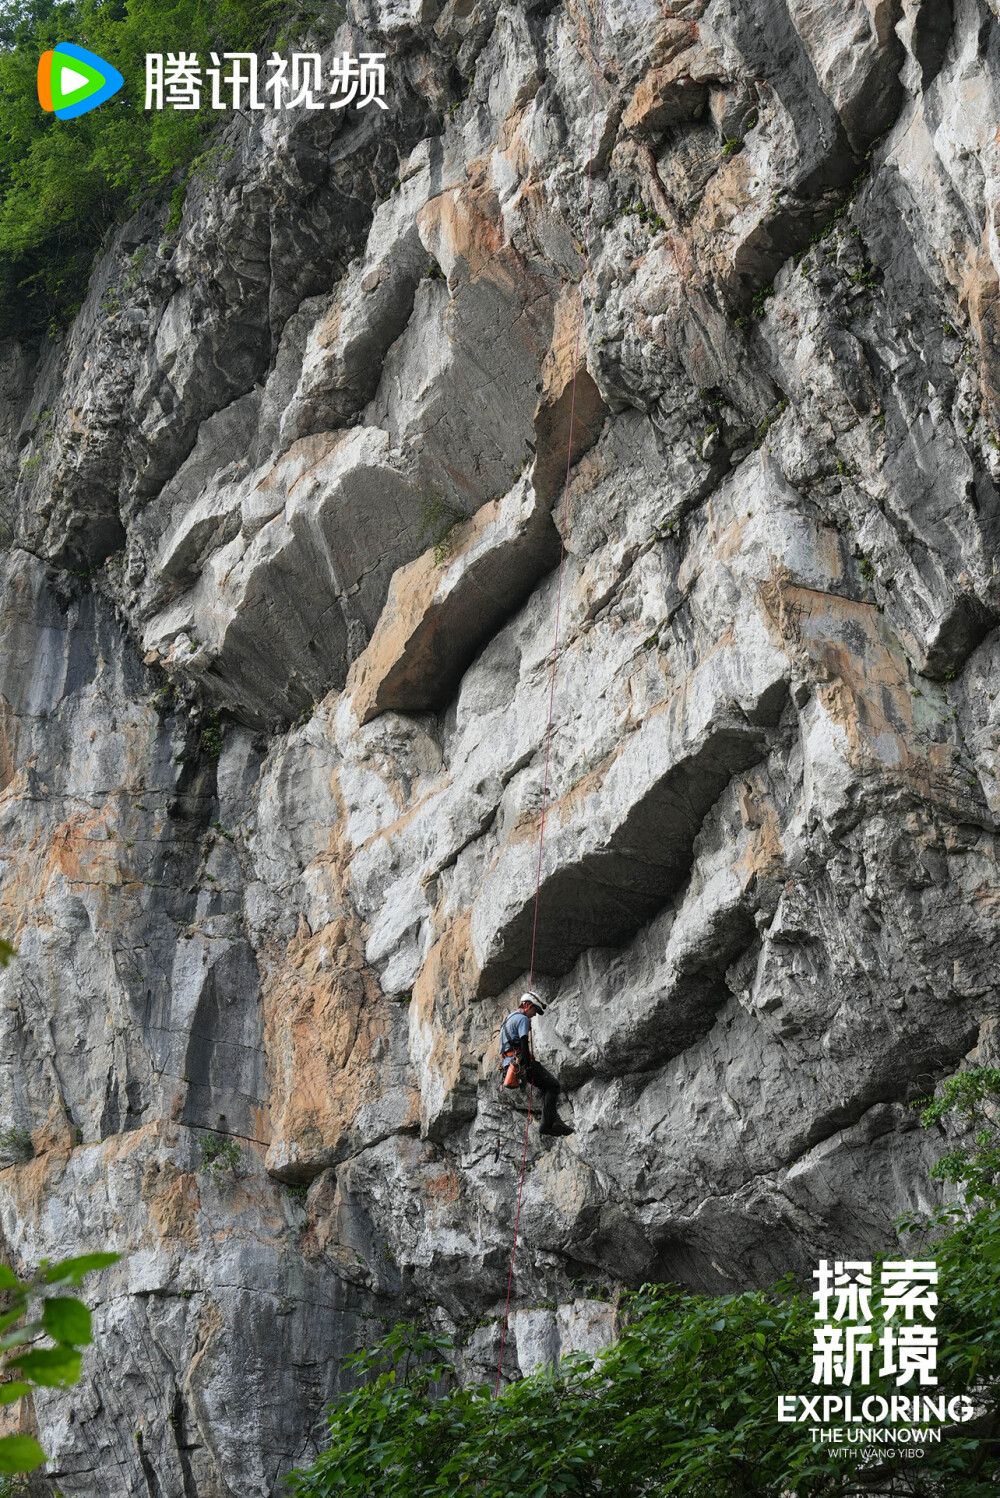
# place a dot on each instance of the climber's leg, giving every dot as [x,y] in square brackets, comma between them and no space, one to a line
[545,1083]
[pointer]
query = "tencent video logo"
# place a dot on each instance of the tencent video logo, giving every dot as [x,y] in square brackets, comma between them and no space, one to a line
[73,81]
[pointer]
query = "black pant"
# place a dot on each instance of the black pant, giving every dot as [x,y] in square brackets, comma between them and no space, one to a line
[544,1082]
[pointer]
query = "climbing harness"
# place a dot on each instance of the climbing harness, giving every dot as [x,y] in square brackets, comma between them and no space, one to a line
[585,250]
[510,1054]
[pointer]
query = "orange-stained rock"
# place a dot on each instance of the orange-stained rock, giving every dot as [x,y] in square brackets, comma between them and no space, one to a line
[325,1024]
[570,411]
[865,686]
[441,1027]
[981,292]
[438,612]
[677,91]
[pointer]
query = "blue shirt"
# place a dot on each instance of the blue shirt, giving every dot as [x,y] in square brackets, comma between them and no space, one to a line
[513,1029]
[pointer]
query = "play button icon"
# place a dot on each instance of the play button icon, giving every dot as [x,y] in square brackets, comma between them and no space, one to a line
[73,81]
[70,81]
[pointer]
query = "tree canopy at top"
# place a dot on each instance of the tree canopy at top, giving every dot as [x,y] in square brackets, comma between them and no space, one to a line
[63,182]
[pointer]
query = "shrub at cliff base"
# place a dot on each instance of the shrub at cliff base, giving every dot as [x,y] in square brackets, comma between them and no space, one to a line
[63,182]
[684,1403]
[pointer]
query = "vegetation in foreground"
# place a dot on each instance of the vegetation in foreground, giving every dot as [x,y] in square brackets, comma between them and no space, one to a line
[684,1403]
[41,1334]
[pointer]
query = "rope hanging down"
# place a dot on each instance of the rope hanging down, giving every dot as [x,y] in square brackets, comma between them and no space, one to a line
[555,647]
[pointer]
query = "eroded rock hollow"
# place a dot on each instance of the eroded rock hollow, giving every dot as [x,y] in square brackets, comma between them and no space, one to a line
[278,605]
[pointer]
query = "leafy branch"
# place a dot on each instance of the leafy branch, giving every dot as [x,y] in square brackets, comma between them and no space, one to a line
[220,1153]
[684,1402]
[41,1335]
[437,524]
[974,1096]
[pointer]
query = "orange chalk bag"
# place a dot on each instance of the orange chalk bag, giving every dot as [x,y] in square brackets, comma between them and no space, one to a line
[510,1065]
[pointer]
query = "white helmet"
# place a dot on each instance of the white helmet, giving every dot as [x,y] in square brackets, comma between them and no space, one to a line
[532,998]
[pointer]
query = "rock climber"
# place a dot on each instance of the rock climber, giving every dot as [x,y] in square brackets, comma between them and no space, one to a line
[515,1046]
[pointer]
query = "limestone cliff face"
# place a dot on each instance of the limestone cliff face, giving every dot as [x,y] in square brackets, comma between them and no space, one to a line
[277,608]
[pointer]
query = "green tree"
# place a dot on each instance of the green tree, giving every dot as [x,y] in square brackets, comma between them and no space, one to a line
[64,182]
[685,1402]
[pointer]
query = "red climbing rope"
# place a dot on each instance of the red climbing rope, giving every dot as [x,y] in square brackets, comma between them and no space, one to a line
[517,1219]
[585,253]
[555,648]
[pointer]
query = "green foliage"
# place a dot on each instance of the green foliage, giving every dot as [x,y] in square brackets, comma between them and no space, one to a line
[761,299]
[40,1340]
[653,221]
[220,1153]
[683,1405]
[211,737]
[321,19]
[177,198]
[6,952]
[766,424]
[16,1141]
[974,1096]
[437,524]
[165,696]
[64,182]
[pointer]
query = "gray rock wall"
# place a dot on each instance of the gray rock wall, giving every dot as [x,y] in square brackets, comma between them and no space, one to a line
[281,524]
